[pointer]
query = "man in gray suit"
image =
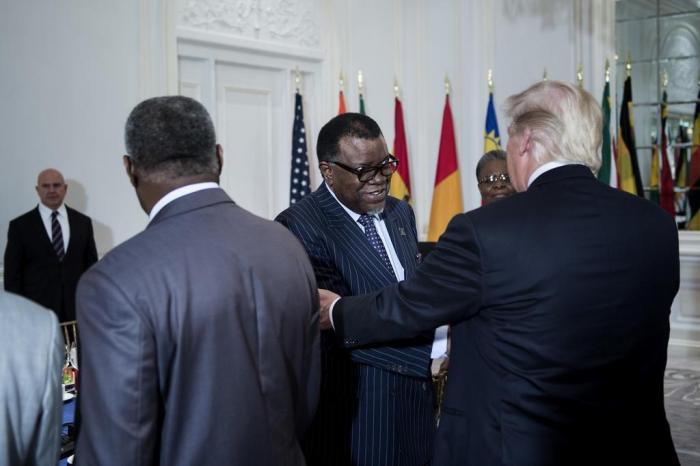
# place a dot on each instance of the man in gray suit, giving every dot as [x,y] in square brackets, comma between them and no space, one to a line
[30,392]
[200,339]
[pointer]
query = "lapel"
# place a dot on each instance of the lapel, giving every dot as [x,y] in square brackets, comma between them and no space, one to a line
[401,235]
[72,224]
[349,238]
[43,237]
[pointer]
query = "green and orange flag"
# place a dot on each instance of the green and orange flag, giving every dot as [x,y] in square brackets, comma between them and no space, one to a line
[400,181]
[447,195]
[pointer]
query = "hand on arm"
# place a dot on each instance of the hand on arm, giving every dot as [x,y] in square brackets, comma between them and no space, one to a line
[327,299]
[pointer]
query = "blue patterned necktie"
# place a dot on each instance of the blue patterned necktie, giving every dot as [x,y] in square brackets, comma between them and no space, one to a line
[373,237]
[57,236]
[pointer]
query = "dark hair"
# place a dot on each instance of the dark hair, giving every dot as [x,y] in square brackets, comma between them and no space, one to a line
[496,154]
[171,136]
[353,125]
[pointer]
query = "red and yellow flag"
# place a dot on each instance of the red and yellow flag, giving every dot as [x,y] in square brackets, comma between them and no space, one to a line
[341,103]
[400,181]
[447,196]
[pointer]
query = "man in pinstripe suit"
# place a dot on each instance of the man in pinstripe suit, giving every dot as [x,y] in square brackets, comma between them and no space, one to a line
[376,406]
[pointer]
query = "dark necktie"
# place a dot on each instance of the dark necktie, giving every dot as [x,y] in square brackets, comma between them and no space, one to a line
[57,236]
[376,242]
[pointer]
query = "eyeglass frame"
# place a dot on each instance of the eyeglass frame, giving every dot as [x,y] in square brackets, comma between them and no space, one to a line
[493,178]
[389,161]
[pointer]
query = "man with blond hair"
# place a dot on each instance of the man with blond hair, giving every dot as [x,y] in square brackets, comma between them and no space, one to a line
[559,305]
[49,248]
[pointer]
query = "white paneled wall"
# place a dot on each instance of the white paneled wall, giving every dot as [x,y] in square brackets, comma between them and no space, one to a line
[72,70]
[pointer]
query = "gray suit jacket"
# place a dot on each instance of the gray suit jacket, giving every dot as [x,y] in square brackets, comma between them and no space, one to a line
[31,350]
[200,342]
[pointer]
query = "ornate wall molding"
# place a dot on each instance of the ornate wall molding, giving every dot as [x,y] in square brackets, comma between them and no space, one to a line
[290,22]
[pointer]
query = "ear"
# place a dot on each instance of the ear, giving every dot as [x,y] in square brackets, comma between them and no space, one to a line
[130,171]
[526,143]
[220,157]
[326,172]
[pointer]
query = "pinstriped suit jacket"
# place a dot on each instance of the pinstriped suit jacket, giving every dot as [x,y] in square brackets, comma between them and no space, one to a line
[345,262]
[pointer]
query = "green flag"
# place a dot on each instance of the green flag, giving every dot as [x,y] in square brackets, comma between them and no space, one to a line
[362,105]
[608,167]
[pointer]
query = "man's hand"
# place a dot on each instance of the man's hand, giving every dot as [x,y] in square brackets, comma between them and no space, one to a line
[327,298]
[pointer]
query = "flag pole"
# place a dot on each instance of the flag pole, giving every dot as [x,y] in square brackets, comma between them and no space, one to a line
[607,70]
[297,78]
[579,75]
[489,80]
[628,65]
[396,88]
[545,77]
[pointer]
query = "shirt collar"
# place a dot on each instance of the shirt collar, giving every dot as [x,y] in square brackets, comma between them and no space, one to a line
[545,167]
[45,212]
[354,215]
[178,193]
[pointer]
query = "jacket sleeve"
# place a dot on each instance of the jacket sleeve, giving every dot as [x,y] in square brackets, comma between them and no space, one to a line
[118,418]
[13,262]
[446,289]
[48,441]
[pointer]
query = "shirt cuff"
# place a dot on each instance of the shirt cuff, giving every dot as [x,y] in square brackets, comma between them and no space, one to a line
[330,312]
[439,343]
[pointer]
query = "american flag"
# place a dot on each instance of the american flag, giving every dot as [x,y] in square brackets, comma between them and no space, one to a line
[299,184]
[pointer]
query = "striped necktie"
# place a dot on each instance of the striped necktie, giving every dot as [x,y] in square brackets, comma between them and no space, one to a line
[373,237]
[57,236]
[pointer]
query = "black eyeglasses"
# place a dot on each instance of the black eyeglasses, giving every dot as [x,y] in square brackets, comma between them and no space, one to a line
[492,179]
[364,174]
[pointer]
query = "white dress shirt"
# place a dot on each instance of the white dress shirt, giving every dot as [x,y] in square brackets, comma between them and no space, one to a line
[62,218]
[545,167]
[440,340]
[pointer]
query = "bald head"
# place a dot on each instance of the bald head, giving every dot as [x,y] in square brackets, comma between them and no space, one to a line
[51,188]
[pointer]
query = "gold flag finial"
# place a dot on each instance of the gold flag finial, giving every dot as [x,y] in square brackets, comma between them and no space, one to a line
[579,75]
[448,88]
[628,65]
[607,70]
[396,88]
[545,77]
[489,79]
[341,80]
[297,77]
[664,79]
[360,81]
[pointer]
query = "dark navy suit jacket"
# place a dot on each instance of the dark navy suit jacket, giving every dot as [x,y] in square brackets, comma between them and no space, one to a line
[376,403]
[559,299]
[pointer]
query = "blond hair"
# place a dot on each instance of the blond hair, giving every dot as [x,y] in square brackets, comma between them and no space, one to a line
[565,122]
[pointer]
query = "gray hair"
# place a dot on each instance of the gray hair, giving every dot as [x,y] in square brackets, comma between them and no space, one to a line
[171,137]
[496,154]
[565,121]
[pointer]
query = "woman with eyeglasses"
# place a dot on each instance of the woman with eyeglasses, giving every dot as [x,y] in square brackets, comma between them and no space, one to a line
[492,176]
